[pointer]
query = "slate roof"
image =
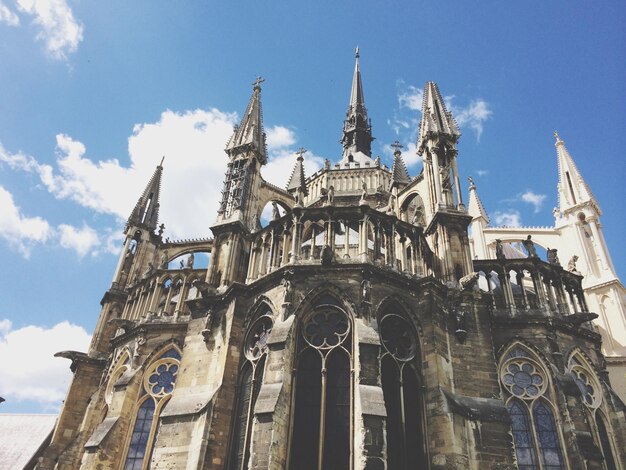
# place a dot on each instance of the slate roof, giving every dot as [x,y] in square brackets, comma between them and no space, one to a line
[21,437]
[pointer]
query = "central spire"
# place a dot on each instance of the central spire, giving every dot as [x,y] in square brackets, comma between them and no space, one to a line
[357,128]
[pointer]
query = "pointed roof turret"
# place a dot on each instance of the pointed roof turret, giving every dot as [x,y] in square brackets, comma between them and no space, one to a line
[475,207]
[399,173]
[436,120]
[298,179]
[573,189]
[357,128]
[249,134]
[146,211]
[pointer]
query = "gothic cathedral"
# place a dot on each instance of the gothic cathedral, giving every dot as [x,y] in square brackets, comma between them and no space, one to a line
[375,321]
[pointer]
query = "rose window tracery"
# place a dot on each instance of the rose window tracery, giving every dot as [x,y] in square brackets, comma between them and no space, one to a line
[398,337]
[160,381]
[523,379]
[585,383]
[326,329]
[256,344]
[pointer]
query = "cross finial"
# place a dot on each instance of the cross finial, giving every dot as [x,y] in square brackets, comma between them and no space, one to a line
[397,146]
[162,160]
[356,52]
[471,182]
[300,153]
[556,134]
[257,82]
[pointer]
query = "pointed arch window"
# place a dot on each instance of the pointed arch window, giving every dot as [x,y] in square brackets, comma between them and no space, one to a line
[255,351]
[537,440]
[157,387]
[591,396]
[402,393]
[322,432]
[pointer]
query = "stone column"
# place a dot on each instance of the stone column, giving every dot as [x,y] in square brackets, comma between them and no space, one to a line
[455,172]
[436,178]
[520,283]
[346,244]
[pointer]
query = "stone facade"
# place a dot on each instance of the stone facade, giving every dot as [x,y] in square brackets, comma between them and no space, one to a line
[355,330]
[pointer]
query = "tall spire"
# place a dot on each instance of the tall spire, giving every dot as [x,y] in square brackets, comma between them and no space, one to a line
[249,134]
[436,119]
[573,189]
[357,129]
[399,174]
[146,211]
[298,180]
[475,207]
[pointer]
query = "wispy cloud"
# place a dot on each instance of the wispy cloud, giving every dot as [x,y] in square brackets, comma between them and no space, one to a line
[536,200]
[473,115]
[59,30]
[482,173]
[511,218]
[7,16]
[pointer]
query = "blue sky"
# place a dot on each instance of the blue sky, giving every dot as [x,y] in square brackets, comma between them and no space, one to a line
[93,94]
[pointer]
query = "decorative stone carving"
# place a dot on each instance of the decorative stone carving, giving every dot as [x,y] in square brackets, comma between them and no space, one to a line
[530,247]
[499,250]
[469,282]
[571,265]
[552,257]
[190,261]
[275,211]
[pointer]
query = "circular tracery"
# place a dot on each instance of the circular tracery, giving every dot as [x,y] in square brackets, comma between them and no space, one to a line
[585,385]
[326,329]
[398,337]
[523,379]
[256,343]
[161,379]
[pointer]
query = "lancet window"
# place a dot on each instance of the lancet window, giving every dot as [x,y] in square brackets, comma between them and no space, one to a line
[157,386]
[536,436]
[402,384]
[255,351]
[322,432]
[591,396]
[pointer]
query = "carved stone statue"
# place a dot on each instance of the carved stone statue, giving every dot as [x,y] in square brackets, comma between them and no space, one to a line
[275,211]
[418,216]
[366,287]
[499,250]
[571,265]
[137,349]
[327,164]
[552,257]
[331,195]
[164,260]
[530,247]
[190,261]
[299,197]
[288,293]
[148,270]
[364,192]
[326,255]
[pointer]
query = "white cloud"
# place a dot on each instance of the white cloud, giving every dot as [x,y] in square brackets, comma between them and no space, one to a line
[81,240]
[535,199]
[280,136]
[473,115]
[7,16]
[59,30]
[193,145]
[482,173]
[510,219]
[28,368]
[19,230]
[411,97]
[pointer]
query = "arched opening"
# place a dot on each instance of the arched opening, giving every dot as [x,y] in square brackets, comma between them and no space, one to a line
[406,444]
[251,378]
[273,210]
[321,437]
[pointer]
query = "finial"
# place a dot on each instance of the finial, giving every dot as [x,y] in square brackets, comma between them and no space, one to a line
[162,160]
[356,52]
[471,182]
[397,146]
[257,82]
[300,153]
[558,139]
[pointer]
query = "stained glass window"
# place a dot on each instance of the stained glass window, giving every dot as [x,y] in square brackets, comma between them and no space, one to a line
[249,387]
[549,446]
[158,383]
[326,345]
[401,391]
[605,443]
[140,436]
[522,436]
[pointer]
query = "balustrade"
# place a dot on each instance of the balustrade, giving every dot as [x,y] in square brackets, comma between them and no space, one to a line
[538,285]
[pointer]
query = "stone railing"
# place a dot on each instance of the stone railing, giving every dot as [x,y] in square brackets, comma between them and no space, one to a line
[529,283]
[346,234]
